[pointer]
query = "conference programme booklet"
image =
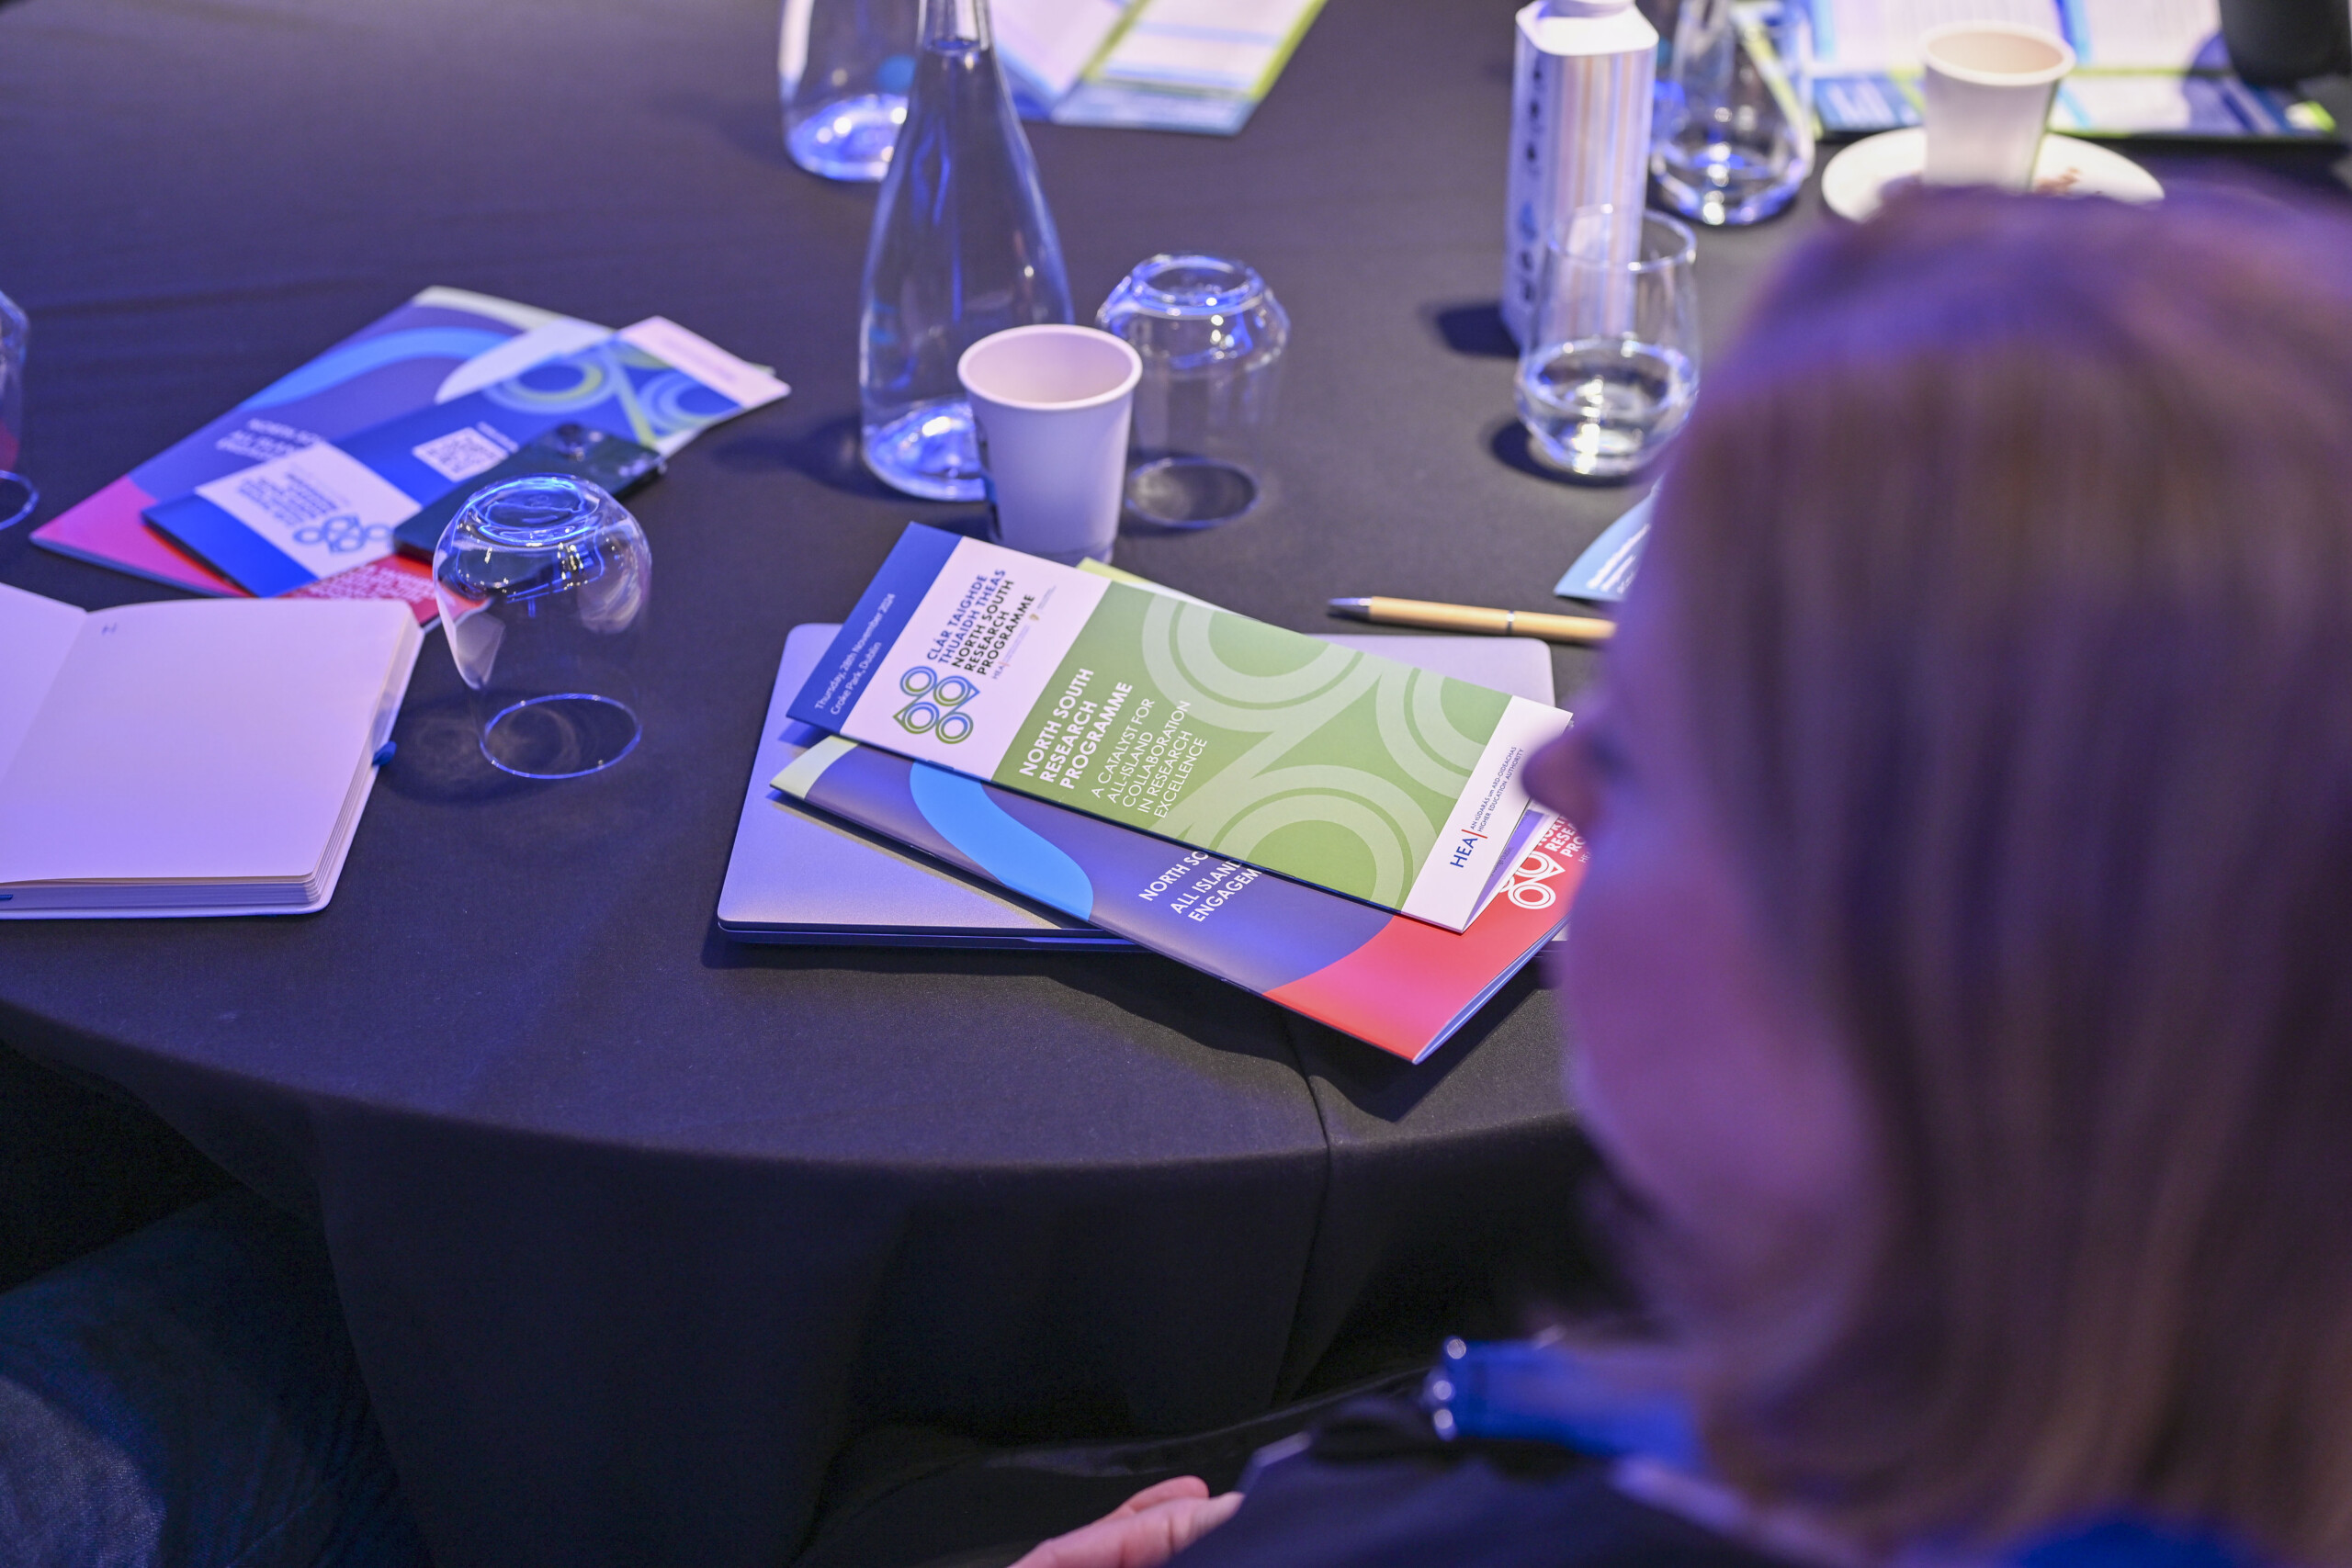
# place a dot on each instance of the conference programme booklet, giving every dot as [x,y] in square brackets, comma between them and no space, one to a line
[1259,744]
[1400,984]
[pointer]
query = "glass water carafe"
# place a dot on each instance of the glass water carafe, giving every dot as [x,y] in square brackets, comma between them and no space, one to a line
[843,71]
[963,246]
[1732,138]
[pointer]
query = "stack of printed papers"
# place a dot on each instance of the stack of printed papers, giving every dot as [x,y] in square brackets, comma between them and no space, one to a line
[1341,833]
[1357,773]
[441,344]
[331,506]
[444,352]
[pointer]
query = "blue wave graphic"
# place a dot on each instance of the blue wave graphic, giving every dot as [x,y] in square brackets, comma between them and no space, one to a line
[1011,852]
[337,366]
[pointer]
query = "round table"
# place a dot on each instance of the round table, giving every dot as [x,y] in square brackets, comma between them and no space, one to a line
[636,1226]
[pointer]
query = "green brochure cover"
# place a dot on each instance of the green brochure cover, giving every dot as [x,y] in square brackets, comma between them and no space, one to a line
[1349,770]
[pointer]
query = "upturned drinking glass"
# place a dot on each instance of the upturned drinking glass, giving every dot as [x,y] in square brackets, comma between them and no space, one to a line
[843,70]
[542,583]
[1611,364]
[18,496]
[1211,334]
[962,246]
[1731,135]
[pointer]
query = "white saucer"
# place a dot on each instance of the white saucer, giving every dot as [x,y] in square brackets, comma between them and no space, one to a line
[1856,180]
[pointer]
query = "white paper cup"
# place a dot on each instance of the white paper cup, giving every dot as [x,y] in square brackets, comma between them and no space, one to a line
[1988,87]
[1050,405]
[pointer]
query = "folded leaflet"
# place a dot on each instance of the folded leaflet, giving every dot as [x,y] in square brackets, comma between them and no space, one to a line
[1259,745]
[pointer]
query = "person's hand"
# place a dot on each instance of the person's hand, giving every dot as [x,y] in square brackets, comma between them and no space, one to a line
[1142,1532]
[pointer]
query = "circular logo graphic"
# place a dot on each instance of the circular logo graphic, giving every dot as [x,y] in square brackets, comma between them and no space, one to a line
[937,708]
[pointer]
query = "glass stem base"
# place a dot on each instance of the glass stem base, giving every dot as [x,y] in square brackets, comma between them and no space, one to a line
[1726,191]
[849,138]
[1190,492]
[929,451]
[562,736]
[18,497]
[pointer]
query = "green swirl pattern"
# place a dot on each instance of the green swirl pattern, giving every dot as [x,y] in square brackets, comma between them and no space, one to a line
[1313,761]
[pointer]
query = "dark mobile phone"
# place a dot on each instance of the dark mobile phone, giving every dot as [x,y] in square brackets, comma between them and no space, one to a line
[620,464]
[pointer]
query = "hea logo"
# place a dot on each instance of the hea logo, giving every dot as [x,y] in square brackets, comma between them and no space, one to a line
[1526,885]
[937,709]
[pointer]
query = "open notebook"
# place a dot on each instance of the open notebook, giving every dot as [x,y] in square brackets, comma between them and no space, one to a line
[202,757]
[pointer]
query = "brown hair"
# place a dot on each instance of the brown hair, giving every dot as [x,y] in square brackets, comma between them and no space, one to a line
[2011,563]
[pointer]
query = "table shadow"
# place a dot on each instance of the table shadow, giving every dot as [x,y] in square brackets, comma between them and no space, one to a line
[1182,1000]
[751,126]
[1388,1088]
[1134,527]
[1160,989]
[1509,441]
[1474,327]
[439,755]
[827,452]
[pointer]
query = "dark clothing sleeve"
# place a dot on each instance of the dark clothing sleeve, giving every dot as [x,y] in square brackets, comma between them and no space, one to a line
[186,1397]
[1377,1490]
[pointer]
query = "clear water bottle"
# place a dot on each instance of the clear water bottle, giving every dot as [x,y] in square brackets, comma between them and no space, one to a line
[1732,140]
[963,246]
[1582,74]
[843,70]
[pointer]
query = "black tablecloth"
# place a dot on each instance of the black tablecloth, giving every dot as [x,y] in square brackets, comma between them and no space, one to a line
[634,1226]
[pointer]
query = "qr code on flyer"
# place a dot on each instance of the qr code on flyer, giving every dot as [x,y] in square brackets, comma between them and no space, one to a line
[462,454]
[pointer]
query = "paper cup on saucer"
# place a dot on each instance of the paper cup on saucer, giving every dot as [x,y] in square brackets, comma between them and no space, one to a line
[1856,180]
[1050,405]
[1987,88]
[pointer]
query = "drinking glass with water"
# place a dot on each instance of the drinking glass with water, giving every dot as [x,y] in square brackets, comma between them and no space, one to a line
[1612,363]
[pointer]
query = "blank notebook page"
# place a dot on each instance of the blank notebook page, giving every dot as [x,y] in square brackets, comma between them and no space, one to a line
[207,740]
[36,635]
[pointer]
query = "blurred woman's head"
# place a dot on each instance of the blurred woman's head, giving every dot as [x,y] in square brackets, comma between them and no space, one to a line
[1963,978]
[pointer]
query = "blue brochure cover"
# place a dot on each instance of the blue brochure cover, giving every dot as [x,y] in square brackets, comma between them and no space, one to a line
[1606,568]
[1399,983]
[441,344]
[325,508]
